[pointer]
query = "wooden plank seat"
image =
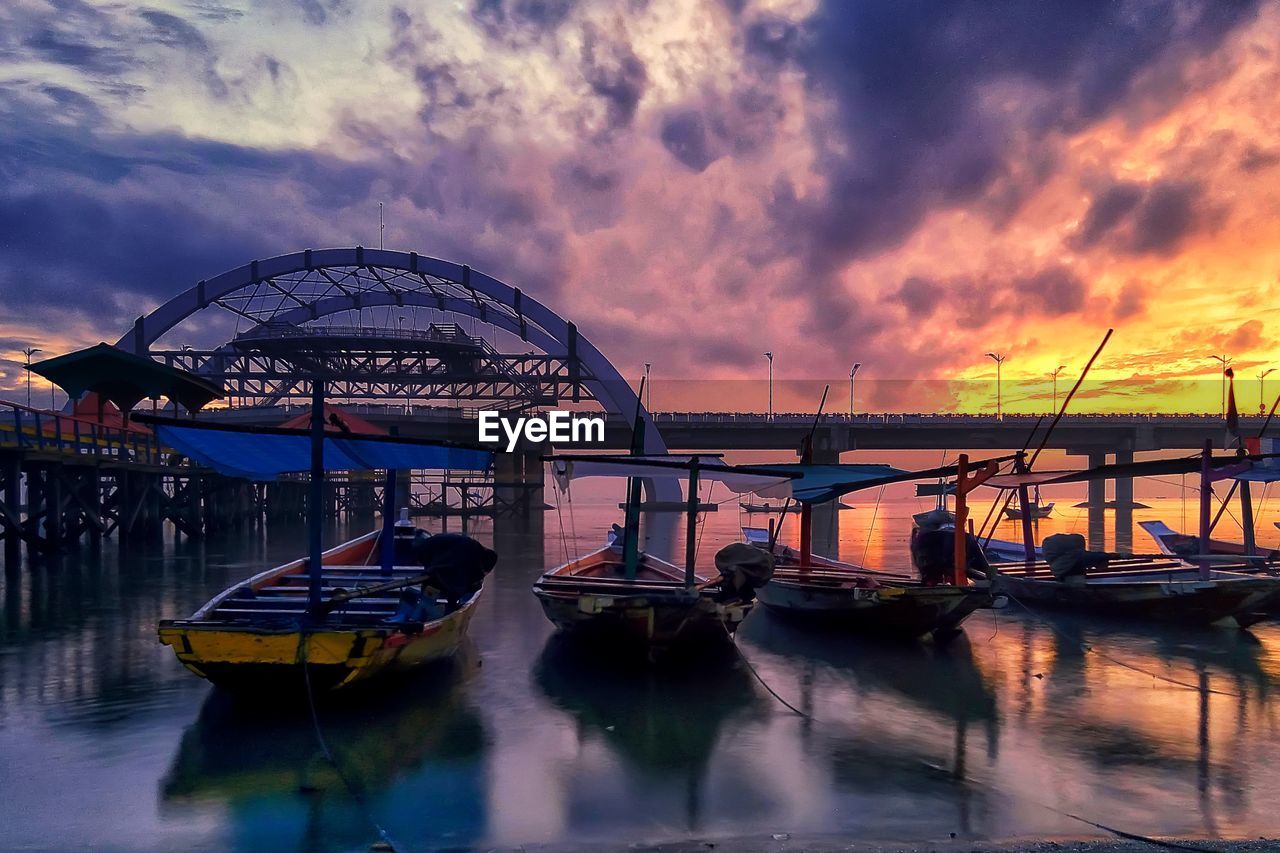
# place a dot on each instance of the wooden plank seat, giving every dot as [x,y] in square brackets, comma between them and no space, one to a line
[607,580]
[266,616]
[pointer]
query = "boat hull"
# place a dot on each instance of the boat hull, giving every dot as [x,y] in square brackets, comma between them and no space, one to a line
[1233,602]
[837,595]
[657,621]
[590,600]
[892,611]
[265,650]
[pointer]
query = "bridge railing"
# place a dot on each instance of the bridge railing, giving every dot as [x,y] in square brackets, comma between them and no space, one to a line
[943,419]
[44,431]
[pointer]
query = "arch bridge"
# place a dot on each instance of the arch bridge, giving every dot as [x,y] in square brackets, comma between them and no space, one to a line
[380,325]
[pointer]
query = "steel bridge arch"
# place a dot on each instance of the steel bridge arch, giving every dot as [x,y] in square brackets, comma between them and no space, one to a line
[448,286]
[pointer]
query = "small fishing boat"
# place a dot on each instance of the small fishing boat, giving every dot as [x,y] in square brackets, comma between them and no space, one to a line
[1035,508]
[1218,590]
[1187,545]
[623,597]
[823,591]
[257,633]
[656,608]
[383,602]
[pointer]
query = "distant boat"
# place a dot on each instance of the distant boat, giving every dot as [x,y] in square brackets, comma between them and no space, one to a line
[1035,509]
[1187,545]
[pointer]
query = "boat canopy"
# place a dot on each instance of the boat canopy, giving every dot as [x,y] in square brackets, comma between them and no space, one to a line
[805,483]
[266,453]
[1239,467]
[738,478]
[822,483]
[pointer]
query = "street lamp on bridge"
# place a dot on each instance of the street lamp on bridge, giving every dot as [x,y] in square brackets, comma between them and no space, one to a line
[28,352]
[1262,405]
[1056,371]
[769,356]
[853,371]
[998,358]
[1224,361]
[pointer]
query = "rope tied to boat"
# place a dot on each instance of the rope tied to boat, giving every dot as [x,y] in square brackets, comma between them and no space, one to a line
[1119,833]
[1091,649]
[385,842]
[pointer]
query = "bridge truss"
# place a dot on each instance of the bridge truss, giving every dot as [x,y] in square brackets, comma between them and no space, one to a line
[378,325]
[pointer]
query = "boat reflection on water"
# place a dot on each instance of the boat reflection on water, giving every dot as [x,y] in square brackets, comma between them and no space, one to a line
[893,721]
[412,749]
[1191,725]
[664,723]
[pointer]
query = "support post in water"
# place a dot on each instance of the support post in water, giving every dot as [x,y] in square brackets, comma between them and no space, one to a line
[315,512]
[1206,493]
[387,542]
[691,525]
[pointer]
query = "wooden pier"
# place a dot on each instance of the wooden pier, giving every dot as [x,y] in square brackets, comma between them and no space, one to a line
[65,479]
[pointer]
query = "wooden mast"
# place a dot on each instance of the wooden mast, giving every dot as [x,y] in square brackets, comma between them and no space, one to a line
[1028,539]
[631,521]
[1206,490]
[961,559]
[691,525]
[387,543]
[315,514]
[806,512]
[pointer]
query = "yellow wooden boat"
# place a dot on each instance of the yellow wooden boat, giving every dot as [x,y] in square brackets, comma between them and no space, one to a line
[256,635]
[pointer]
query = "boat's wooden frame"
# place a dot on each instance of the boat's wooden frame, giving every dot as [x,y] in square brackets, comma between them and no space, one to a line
[655,612]
[257,634]
[839,595]
[1140,587]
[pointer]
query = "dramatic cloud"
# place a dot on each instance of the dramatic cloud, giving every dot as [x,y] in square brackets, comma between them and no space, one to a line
[834,181]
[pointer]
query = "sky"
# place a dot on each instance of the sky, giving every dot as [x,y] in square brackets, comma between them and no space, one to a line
[907,185]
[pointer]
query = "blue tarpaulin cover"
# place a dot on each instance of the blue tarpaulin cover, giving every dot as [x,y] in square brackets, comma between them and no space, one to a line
[266,454]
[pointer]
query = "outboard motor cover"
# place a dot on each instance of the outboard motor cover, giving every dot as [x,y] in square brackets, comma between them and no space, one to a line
[743,569]
[456,563]
[1069,558]
[933,555]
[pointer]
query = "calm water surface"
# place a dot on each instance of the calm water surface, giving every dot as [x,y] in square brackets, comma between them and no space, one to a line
[105,740]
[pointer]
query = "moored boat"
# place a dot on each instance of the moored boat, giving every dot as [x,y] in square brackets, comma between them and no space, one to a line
[259,633]
[383,602]
[635,601]
[821,591]
[1034,508]
[1205,588]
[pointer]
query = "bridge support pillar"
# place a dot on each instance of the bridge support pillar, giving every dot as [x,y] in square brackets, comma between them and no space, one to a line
[826,516]
[1124,506]
[1097,504]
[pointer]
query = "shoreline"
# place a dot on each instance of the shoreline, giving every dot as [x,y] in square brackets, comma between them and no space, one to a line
[795,843]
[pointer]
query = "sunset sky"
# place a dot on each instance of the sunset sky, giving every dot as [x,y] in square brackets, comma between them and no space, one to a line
[907,185]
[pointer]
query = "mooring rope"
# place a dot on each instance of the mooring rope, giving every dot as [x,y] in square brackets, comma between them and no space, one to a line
[866,546]
[352,788]
[1119,833]
[1088,648]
